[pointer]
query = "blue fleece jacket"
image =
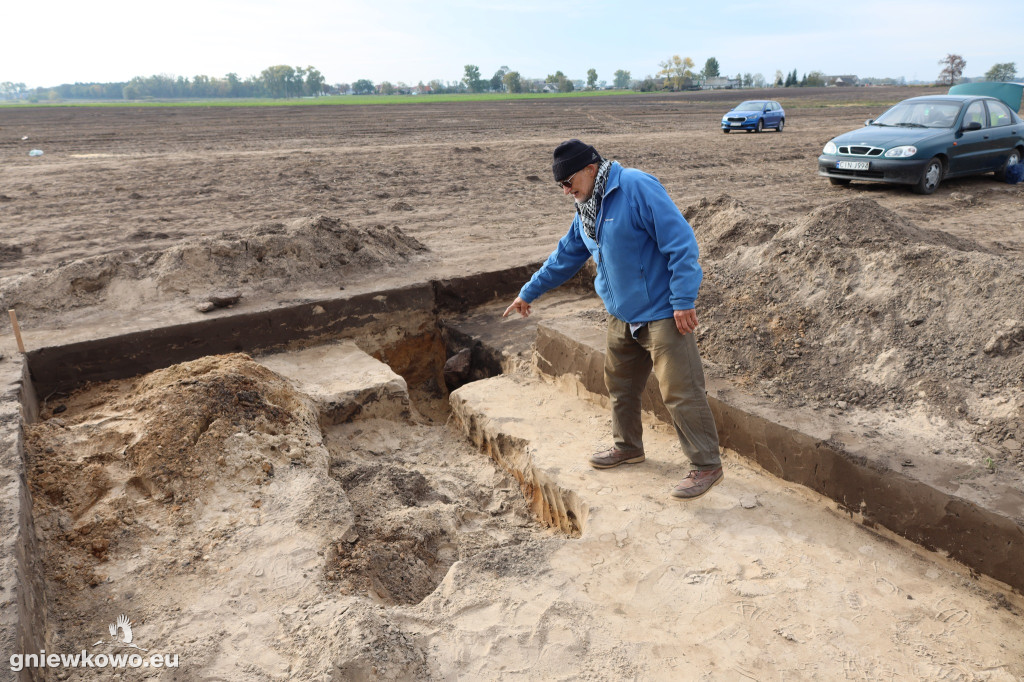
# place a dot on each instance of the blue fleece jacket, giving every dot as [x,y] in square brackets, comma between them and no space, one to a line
[645,252]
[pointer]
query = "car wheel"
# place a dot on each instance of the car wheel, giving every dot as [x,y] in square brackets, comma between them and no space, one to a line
[760,125]
[725,130]
[842,182]
[1013,158]
[782,122]
[931,177]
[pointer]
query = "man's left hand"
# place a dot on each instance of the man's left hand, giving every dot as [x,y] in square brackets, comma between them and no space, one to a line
[686,320]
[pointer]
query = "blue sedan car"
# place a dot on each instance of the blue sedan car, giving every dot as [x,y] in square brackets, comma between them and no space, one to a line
[923,140]
[754,116]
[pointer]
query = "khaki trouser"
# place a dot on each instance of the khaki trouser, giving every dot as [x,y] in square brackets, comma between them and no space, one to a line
[676,363]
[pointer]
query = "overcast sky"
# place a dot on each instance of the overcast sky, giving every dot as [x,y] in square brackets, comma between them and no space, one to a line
[50,42]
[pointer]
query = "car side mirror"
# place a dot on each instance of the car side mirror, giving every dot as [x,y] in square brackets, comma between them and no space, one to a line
[869,121]
[973,125]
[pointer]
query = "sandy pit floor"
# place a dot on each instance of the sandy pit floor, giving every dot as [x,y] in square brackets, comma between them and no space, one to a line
[867,303]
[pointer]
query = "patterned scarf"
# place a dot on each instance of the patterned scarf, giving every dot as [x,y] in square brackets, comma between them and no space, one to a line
[589,209]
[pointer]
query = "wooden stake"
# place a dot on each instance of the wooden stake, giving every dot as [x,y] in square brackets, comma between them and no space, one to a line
[17,330]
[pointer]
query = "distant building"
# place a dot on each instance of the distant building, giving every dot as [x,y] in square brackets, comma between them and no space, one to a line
[841,81]
[721,83]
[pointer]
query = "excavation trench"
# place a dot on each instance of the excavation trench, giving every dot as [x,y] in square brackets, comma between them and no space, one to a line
[371,477]
[144,456]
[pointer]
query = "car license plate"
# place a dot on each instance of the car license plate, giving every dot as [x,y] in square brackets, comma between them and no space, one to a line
[734,123]
[853,165]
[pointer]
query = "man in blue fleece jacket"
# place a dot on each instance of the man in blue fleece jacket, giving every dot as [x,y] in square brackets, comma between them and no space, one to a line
[648,277]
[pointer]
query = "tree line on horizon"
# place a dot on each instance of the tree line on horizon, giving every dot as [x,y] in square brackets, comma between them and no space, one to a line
[274,82]
[282,81]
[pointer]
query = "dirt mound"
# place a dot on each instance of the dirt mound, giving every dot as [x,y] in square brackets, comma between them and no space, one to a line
[192,408]
[855,306]
[862,222]
[160,444]
[725,223]
[268,258]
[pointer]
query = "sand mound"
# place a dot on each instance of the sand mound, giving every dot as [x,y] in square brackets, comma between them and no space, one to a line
[723,223]
[862,222]
[854,306]
[162,446]
[269,258]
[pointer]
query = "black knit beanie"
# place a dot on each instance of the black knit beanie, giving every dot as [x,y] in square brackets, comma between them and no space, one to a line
[571,156]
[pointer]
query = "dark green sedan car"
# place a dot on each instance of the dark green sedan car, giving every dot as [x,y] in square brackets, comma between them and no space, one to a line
[923,140]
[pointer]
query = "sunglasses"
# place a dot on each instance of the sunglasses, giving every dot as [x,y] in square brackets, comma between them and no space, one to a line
[568,181]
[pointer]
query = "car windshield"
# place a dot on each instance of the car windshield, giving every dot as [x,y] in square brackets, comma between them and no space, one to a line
[751,105]
[920,115]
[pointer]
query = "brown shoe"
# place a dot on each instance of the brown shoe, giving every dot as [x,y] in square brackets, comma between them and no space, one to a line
[613,458]
[697,483]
